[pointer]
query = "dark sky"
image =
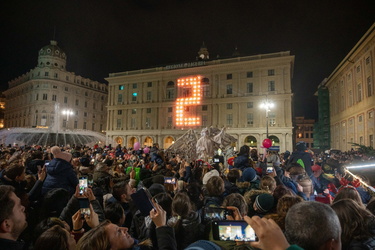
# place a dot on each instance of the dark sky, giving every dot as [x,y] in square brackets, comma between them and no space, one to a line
[101,37]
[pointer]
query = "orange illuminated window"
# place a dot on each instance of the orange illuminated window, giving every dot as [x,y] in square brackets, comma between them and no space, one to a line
[192,92]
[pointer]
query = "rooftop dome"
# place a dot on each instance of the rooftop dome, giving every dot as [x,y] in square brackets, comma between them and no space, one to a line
[52,56]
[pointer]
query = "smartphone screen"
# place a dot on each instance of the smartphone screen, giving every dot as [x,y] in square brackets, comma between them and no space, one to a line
[233,231]
[46,162]
[142,199]
[216,213]
[269,170]
[169,180]
[84,206]
[82,185]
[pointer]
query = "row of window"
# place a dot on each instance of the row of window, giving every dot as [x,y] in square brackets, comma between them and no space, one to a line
[249,74]
[204,119]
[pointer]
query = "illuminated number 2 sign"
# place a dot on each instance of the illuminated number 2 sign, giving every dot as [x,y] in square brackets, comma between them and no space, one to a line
[190,89]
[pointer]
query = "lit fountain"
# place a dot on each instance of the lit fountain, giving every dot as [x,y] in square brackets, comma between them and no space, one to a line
[52,136]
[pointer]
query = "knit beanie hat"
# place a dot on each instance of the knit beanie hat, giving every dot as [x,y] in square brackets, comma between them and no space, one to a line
[208,176]
[264,202]
[249,175]
[57,153]
[203,245]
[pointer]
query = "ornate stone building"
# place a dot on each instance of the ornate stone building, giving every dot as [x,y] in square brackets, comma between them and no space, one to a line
[158,105]
[352,96]
[304,130]
[49,96]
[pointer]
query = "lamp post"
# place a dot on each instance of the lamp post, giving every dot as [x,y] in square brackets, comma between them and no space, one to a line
[67,112]
[267,105]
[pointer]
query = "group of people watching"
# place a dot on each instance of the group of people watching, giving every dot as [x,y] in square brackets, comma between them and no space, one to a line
[292,201]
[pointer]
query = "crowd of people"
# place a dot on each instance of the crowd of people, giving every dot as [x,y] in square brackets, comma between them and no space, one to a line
[291,200]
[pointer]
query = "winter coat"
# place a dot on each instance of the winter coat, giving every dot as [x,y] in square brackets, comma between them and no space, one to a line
[60,174]
[191,230]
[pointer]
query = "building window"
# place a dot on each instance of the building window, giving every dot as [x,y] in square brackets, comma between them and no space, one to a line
[54,86]
[229,105]
[271,85]
[272,119]
[371,140]
[67,78]
[134,97]
[229,89]
[148,122]
[46,73]
[134,85]
[119,112]
[350,98]
[170,109]
[370,114]
[134,111]
[229,119]
[169,121]
[369,87]
[85,104]
[75,124]
[56,75]
[119,98]
[206,91]
[170,93]
[249,74]
[368,60]
[250,119]
[250,86]
[93,126]
[121,87]
[94,105]
[84,125]
[118,123]
[361,140]
[359,91]
[250,105]
[204,107]
[149,84]
[229,76]
[86,94]
[360,118]
[358,68]
[85,114]
[133,122]
[149,96]
[307,135]
[66,89]
[271,72]
[204,120]
[65,99]
[45,97]
[54,98]
[148,110]
[77,102]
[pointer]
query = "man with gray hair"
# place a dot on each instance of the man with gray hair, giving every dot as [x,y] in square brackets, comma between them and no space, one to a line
[313,226]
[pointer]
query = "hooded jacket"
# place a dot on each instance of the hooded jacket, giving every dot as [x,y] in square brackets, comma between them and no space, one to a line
[60,174]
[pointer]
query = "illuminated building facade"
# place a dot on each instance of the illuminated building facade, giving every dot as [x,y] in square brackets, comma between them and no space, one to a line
[352,96]
[304,130]
[158,105]
[39,97]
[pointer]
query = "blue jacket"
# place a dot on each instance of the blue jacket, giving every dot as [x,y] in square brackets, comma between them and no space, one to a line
[60,174]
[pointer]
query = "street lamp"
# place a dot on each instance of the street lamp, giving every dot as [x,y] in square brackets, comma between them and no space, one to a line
[67,112]
[267,105]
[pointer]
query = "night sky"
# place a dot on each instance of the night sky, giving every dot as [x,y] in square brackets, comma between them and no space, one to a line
[101,37]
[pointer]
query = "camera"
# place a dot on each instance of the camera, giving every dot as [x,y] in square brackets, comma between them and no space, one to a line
[233,231]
